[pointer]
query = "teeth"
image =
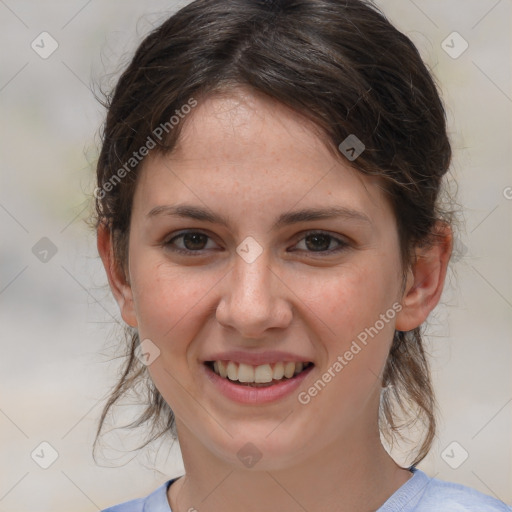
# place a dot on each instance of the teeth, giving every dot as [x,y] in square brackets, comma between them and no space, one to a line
[245,373]
[223,372]
[289,370]
[262,374]
[278,371]
[232,371]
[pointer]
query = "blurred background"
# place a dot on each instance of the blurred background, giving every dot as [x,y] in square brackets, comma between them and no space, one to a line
[61,327]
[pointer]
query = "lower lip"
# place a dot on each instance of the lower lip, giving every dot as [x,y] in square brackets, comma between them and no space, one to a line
[250,395]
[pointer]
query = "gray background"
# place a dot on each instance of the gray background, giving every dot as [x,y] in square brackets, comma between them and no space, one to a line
[57,316]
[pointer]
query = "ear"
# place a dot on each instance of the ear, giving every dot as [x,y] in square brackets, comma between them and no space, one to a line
[119,284]
[425,279]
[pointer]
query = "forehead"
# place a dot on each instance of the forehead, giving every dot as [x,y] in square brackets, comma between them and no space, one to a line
[250,145]
[244,125]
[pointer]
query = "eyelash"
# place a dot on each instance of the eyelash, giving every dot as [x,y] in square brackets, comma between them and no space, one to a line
[342,245]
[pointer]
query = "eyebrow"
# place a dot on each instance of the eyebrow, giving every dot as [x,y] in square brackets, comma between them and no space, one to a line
[293,217]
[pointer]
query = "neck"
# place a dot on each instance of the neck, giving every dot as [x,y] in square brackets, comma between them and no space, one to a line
[354,474]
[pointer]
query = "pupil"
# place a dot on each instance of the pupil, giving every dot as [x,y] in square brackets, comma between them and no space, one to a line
[320,242]
[194,241]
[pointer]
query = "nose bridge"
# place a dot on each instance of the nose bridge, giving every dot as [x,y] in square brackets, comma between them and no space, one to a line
[252,300]
[251,284]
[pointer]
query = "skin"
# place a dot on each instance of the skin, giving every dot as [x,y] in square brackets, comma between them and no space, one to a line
[250,159]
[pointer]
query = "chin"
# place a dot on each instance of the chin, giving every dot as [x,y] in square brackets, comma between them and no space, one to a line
[261,450]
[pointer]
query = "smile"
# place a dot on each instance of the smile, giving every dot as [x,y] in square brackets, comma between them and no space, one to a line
[263,375]
[256,385]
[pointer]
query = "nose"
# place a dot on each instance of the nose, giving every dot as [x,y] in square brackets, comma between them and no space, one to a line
[254,299]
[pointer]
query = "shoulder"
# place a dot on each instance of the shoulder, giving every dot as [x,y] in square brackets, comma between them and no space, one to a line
[129,506]
[457,497]
[155,502]
[438,496]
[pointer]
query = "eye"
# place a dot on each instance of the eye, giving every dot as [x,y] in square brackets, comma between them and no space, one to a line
[319,241]
[189,242]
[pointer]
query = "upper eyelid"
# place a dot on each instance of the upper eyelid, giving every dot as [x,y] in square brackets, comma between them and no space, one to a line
[338,238]
[300,236]
[173,236]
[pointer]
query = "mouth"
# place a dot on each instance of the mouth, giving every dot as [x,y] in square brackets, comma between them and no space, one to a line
[261,376]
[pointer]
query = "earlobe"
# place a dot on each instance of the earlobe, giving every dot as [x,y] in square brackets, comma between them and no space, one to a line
[425,279]
[119,284]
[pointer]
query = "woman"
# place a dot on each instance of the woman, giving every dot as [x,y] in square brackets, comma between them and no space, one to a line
[268,216]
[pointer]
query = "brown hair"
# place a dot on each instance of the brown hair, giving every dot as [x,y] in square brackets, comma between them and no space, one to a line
[340,64]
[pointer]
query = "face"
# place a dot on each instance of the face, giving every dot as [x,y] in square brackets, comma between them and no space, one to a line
[253,247]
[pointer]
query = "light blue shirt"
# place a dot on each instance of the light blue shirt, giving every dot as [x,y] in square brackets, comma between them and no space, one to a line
[419,494]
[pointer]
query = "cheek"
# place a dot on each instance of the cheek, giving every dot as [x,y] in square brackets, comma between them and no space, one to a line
[352,319]
[348,300]
[167,299]
[351,315]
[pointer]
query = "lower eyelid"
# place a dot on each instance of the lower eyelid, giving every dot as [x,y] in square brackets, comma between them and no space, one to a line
[169,243]
[341,244]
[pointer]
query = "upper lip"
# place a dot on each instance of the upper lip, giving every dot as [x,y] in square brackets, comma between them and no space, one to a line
[257,358]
